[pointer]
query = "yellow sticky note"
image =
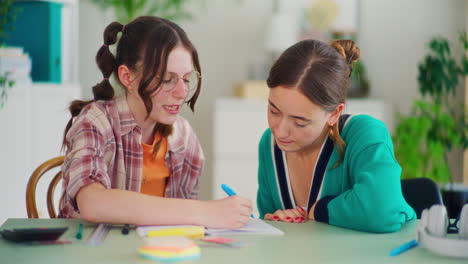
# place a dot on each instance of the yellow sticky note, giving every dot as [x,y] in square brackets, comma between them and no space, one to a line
[188,231]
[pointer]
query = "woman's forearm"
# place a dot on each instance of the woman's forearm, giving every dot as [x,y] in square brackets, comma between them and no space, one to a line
[98,204]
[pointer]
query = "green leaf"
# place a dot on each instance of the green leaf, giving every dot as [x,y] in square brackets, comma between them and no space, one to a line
[423,138]
[127,10]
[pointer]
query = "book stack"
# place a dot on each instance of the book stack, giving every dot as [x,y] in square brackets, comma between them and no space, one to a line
[252,90]
[169,249]
[15,65]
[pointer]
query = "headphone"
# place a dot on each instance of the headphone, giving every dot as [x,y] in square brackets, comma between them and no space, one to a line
[435,225]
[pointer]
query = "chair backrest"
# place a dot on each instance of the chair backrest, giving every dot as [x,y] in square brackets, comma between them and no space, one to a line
[420,193]
[31,206]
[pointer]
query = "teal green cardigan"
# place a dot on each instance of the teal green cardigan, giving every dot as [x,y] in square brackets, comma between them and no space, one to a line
[363,192]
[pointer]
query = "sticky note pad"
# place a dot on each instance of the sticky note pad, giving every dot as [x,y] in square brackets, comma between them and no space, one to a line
[169,249]
[167,241]
[188,231]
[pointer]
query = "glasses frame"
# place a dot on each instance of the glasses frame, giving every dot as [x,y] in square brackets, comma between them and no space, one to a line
[188,87]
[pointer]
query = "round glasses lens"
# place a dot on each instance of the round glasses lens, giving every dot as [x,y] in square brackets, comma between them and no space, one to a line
[192,82]
[168,84]
[193,79]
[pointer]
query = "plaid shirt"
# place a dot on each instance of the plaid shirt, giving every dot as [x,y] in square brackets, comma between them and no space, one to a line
[104,145]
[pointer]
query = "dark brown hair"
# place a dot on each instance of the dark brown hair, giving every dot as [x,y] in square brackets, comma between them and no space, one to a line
[144,46]
[321,72]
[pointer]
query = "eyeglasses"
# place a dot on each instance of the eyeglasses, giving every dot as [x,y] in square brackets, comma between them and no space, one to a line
[190,81]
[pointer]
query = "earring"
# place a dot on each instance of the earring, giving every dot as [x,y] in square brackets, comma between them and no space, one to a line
[330,130]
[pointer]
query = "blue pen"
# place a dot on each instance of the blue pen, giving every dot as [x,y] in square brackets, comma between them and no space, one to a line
[406,246]
[230,192]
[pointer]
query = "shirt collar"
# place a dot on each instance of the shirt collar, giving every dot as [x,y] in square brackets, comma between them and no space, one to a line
[127,121]
[176,140]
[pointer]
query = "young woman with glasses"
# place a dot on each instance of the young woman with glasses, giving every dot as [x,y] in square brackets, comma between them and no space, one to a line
[130,158]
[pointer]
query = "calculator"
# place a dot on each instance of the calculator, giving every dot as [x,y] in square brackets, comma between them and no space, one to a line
[32,234]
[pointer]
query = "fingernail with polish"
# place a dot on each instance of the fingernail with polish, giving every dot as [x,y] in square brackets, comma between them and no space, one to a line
[300,209]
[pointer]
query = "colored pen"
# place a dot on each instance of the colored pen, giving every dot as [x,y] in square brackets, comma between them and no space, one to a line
[126,229]
[230,192]
[79,232]
[406,246]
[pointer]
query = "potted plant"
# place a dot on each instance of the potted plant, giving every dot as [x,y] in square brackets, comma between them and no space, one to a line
[8,15]
[437,123]
[5,84]
[359,86]
[126,10]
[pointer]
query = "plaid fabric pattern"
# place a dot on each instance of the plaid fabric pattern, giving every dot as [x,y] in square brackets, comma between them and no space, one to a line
[104,145]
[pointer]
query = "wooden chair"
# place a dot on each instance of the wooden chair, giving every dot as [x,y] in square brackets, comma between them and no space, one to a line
[32,184]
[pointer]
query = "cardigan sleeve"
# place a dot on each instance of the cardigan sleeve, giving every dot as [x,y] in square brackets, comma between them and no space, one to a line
[374,203]
[265,202]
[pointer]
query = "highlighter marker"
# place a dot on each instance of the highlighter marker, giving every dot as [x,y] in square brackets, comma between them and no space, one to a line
[406,246]
[79,232]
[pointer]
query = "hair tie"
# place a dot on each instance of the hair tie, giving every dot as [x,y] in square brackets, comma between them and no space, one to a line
[104,45]
[123,28]
[106,79]
[350,59]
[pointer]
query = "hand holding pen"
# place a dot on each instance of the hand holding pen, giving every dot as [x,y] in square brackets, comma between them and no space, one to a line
[230,192]
[228,213]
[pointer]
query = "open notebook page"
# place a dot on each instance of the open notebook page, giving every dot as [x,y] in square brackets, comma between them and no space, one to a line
[254,227]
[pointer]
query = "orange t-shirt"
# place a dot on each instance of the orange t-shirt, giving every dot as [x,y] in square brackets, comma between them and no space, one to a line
[155,172]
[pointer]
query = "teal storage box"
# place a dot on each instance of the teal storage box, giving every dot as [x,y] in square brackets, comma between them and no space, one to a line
[38,31]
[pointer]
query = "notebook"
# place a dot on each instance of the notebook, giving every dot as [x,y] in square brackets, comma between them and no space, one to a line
[254,227]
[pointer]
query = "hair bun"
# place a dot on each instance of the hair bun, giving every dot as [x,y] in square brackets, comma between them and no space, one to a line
[348,49]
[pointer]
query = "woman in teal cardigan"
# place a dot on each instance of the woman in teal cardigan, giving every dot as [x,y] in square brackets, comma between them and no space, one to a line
[314,162]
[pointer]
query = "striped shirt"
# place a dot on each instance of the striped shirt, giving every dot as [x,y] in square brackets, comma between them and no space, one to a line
[104,145]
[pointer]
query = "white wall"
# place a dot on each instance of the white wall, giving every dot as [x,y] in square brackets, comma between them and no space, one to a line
[230,34]
[91,27]
[393,40]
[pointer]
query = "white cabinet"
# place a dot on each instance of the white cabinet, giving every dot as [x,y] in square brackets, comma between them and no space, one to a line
[238,126]
[32,124]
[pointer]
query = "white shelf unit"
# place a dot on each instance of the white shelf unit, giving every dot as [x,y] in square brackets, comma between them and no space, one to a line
[33,121]
[238,126]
